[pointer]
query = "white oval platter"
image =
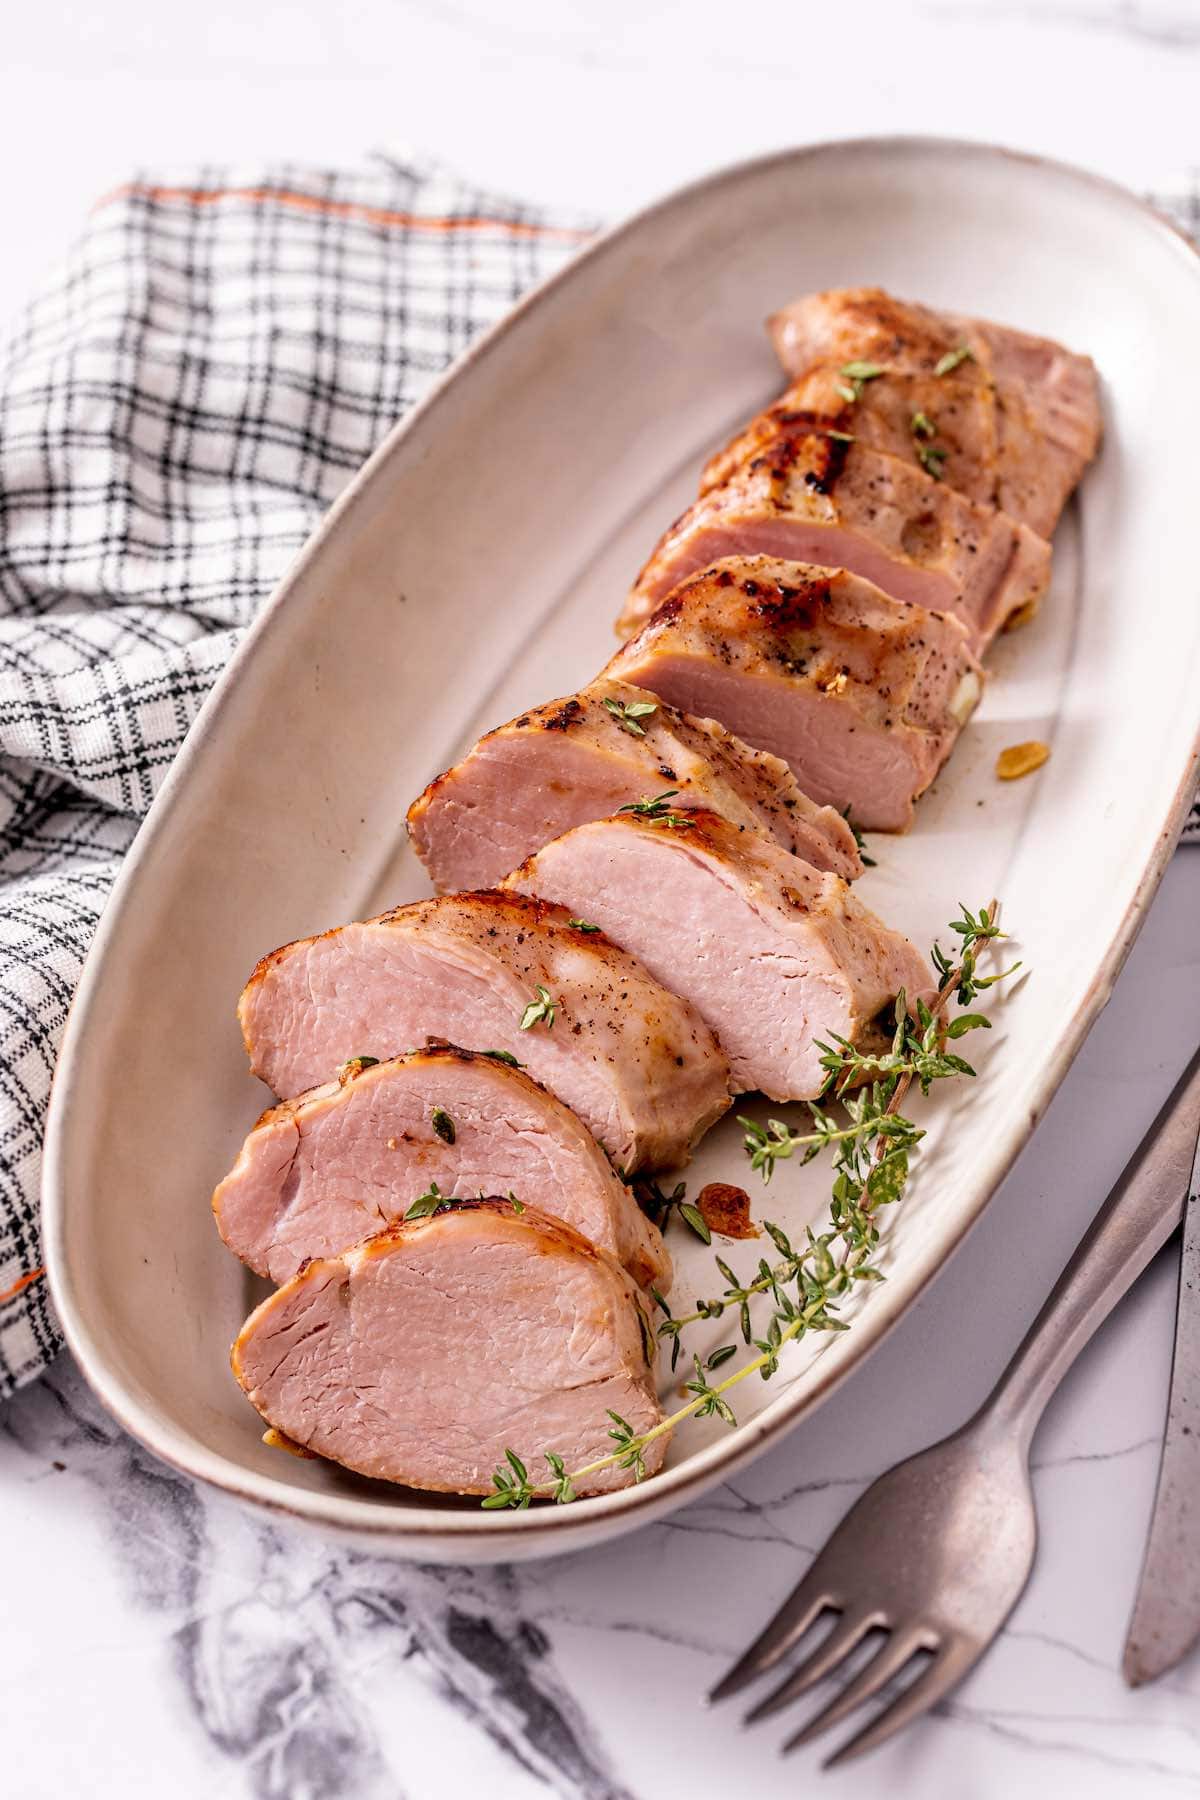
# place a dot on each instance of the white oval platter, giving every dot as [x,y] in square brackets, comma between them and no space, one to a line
[473,568]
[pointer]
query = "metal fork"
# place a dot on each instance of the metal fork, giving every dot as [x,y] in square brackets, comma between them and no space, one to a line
[936,1553]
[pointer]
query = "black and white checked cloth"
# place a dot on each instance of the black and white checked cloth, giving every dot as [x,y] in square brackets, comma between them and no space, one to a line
[218,354]
[216,357]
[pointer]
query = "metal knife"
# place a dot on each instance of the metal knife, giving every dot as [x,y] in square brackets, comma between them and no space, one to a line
[1166,1612]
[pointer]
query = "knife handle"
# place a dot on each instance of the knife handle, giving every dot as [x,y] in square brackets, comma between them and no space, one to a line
[1134,1223]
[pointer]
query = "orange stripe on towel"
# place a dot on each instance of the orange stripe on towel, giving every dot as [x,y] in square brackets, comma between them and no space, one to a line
[19,1286]
[343,209]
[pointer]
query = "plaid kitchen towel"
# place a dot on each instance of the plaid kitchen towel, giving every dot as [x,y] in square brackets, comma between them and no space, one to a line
[215,359]
[217,356]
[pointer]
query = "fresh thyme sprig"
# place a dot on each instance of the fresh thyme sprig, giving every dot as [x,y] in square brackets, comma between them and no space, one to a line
[973,931]
[434,1201]
[659,810]
[871,1164]
[775,1142]
[514,1488]
[871,1169]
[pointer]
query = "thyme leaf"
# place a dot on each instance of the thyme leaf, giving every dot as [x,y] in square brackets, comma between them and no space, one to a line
[443,1124]
[543,1007]
[627,713]
[564,1493]
[432,1201]
[354,1065]
[512,1486]
[660,1206]
[868,862]
[857,375]
[695,1218]
[709,1399]
[948,363]
[659,809]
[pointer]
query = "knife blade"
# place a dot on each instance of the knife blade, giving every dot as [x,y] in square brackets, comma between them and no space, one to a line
[1166,1612]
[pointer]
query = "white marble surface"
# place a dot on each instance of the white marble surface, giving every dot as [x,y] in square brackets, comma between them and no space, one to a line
[154,1639]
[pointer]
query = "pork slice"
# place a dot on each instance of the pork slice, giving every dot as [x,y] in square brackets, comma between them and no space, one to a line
[1046,399]
[583,757]
[861,695]
[637,1065]
[818,499]
[322,1172]
[424,1354]
[955,426]
[775,955]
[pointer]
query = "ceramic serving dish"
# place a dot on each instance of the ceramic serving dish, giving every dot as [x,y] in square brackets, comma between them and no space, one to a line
[473,568]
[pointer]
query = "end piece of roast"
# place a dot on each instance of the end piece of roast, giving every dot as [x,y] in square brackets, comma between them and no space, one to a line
[424,1354]
[1024,401]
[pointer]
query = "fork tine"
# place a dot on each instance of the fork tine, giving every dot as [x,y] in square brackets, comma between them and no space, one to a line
[887,1662]
[808,1598]
[850,1629]
[946,1670]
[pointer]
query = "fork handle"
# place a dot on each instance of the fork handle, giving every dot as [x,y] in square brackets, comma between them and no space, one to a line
[1134,1223]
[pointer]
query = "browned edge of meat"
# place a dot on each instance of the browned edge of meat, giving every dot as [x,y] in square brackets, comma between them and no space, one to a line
[956,427]
[1047,407]
[837,504]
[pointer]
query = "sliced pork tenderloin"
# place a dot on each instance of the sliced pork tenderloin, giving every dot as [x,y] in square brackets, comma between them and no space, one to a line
[322,1172]
[426,1353]
[861,695]
[639,1067]
[773,954]
[583,757]
[1039,402]
[813,497]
